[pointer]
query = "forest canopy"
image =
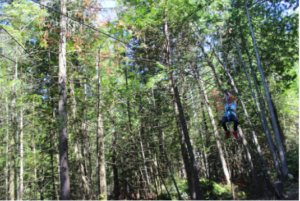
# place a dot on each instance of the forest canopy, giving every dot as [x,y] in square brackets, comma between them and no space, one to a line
[149,99]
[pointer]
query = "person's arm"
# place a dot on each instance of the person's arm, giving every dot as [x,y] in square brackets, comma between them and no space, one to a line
[223,100]
[226,98]
[229,98]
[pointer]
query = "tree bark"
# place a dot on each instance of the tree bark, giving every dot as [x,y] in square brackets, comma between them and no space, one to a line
[196,195]
[100,137]
[83,184]
[282,136]
[12,137]
[200,134]
[56,149]
[41,183]
[21,144]
[245,143]
[62,103]
[141,130]
[266,128]
[202,90]
[184,153]
[265,124]
[53,177]
[284,167]
[35,166]
[162,145]
[6,151]
[114,159]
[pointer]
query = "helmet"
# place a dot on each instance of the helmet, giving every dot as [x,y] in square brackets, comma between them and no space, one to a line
[225,90]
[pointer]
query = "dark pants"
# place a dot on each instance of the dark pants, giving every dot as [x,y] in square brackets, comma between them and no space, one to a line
[231,118]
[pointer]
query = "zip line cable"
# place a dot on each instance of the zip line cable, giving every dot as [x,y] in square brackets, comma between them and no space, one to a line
[89,26]
[12,37]
[7,58]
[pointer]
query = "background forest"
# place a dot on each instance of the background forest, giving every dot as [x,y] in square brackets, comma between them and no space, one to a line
[124,102]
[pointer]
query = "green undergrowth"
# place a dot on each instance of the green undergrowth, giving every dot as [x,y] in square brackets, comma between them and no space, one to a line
[210,190]
[292,158]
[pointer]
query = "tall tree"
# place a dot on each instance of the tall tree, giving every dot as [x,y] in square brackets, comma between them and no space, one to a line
[284,166]
[62,103]
[100,134]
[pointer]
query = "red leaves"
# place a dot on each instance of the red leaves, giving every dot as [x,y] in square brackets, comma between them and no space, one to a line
[77,40]
[86,3]
[45,38]
[46,34]
[108,71]
[76,46]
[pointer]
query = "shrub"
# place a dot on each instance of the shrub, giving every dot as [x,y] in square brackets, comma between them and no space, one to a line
[214,191]
[292,158]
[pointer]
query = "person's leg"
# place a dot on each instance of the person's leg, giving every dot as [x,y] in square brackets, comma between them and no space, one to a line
[235,124]
[223,121]
[235,121]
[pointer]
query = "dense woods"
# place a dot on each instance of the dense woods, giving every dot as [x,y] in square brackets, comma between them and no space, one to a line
[123,100]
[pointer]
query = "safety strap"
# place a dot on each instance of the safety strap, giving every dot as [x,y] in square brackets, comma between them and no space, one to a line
[226,109]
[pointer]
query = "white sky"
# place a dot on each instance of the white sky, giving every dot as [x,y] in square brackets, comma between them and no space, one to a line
[108,13]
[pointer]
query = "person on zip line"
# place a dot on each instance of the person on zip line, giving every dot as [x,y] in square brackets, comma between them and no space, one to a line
[230,114]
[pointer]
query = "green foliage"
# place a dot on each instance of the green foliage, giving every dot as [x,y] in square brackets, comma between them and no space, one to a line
[131,80]
[292,158]
[101,197]
[182,187]
[214,191]
[209,189]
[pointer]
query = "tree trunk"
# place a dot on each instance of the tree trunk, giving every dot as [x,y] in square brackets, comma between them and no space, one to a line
[56,149]
[245,143]
[284,167]
[162,145]
[197,192]
[90,189]
[35,166]
[215,130]
[53,177]
[200,134]
[62,82]
[282,136]
[83,184]
[141,130]
[100,137]
[207,140]
[12,138]
[41,183]
[266,127]
[254,175]
[86,175]
[164,183]
[184,153]
[21,144]
[114,159]
[6,151]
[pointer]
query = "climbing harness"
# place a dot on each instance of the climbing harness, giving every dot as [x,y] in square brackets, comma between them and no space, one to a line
[229,109]
[226,111]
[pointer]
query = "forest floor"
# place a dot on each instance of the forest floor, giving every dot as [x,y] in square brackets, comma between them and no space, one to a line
[292,192]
